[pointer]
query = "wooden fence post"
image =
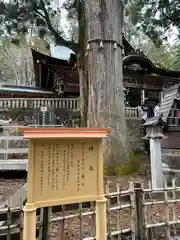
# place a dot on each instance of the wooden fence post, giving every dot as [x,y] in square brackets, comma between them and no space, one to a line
[140,221]
[45,228]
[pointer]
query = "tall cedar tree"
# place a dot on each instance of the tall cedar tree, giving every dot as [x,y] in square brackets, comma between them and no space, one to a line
[100,69]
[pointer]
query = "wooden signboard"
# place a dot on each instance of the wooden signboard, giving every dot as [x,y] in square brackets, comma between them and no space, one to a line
[65,171]
[64,166]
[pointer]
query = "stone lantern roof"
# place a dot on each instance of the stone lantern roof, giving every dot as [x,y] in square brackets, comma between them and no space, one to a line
[154,127]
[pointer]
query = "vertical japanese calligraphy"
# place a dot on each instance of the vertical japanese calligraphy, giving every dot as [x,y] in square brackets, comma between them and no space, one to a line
[82,165]
[53,166]
[72,155]
[68,163]
[57,167]
[65,168]
[41,168]
[78,175]
[49,165]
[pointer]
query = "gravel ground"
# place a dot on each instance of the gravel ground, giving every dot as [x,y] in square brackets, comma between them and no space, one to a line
[9,187]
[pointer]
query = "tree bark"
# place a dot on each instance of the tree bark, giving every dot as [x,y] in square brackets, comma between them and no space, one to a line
[104,21]
[82,65]
[83,83]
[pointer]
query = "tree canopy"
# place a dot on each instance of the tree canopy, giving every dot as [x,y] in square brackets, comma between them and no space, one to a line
[149,17]
[24,16]
[154,18]
[166,55]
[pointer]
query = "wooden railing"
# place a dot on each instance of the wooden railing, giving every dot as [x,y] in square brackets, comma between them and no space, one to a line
[70,103]
[132,112]
[13,149]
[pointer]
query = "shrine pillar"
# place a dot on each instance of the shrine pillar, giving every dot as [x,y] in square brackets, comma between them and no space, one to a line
[161,95]
[154,134]
[142,96]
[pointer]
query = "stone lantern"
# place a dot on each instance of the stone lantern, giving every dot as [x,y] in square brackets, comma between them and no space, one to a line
[154,133]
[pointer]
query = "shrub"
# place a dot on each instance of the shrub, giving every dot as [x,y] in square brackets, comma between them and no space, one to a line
[135,160]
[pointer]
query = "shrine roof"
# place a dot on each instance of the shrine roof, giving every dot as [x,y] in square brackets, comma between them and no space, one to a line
[15,89]
[154,121]
[170,94]
[60,52]
[131,58]
[47,59]
[142,63]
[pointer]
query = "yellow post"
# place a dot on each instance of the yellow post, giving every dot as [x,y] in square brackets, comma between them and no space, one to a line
[101,222]
[29,232]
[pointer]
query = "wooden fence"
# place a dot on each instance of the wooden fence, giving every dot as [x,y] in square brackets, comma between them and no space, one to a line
[135,213]
[13,149]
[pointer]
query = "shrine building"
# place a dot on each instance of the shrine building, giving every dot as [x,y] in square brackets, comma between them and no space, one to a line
[141,78]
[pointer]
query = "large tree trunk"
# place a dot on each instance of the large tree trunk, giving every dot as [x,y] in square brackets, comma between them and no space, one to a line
[104,20]
[83,83]
[82,65]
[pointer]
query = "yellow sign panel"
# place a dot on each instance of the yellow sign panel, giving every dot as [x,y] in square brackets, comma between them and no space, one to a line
[64,169]
[65,165]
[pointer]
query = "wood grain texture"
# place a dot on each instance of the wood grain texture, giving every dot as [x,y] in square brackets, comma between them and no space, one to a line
[104,20]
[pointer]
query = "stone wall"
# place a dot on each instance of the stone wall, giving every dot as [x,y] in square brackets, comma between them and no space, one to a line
[135,133]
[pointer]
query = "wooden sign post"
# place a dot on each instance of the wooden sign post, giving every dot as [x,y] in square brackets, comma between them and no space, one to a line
[65,165]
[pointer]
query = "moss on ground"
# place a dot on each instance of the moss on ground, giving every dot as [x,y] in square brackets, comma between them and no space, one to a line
[136,159]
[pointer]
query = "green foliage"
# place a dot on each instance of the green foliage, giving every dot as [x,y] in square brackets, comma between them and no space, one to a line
[166,56]
[136,159]
[154,18]
[21,16]
[35,17]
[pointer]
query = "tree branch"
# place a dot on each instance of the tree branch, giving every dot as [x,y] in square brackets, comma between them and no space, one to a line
[59,39]
[40,14]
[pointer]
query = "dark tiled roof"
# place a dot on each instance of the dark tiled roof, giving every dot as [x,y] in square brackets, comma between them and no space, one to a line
[145,63]
[9,88]
[168,100]
[153,122]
